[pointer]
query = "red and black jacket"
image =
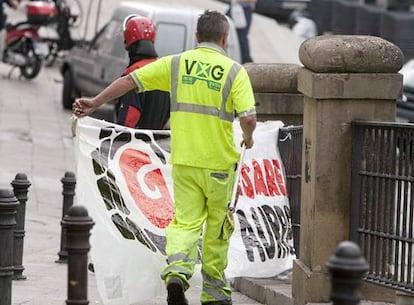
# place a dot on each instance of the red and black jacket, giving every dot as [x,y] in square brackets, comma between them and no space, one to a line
[144,110]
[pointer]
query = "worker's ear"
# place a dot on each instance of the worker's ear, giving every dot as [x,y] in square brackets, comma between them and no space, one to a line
[198,37]
[224,40]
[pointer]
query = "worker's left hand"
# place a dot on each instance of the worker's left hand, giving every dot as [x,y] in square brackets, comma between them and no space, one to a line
[248,142]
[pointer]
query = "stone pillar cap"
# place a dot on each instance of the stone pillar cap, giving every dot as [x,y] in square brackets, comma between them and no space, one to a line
[273,77]
[350,54]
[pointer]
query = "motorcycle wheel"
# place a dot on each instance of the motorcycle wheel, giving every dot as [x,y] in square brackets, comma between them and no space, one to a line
[32,69]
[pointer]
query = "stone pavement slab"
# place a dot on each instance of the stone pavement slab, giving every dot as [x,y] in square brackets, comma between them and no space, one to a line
[36,139]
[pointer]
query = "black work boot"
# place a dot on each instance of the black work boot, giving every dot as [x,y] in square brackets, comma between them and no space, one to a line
[175,289]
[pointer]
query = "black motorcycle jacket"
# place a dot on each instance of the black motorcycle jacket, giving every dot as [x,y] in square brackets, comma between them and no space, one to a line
[144,110]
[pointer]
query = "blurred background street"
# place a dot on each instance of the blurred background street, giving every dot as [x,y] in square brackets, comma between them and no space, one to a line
[36,139]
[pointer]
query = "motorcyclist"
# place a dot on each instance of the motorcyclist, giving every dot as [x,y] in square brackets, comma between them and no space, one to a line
[146,110]
[65,40]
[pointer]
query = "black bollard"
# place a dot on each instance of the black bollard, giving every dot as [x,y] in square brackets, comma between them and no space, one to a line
[20,188]
[76,226]
[346,266]
[68,183]
[8,206]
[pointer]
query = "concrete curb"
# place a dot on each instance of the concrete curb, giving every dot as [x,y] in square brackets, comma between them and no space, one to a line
[267,291]
[278,291]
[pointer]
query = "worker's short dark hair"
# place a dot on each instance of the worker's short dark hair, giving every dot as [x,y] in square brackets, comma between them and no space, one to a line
[211,26]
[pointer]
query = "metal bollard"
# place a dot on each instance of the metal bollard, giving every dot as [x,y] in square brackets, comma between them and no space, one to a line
[8,206]
[346,267]
[77,225]
[69,183]
[20,188]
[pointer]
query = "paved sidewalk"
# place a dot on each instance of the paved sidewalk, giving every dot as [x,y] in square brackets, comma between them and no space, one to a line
[35,139]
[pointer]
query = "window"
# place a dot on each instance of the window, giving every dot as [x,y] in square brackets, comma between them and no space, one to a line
[103,41]
[170,38]
[118,48]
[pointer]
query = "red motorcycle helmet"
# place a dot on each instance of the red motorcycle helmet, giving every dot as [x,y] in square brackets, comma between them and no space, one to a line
[137,28]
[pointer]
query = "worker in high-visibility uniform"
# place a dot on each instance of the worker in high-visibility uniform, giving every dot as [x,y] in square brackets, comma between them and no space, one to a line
[206,89]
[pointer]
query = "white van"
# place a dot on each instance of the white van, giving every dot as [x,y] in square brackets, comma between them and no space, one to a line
[90,67]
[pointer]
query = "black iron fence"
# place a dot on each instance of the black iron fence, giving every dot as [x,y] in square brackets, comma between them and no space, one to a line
[382,205]
[382,197]
[290,147]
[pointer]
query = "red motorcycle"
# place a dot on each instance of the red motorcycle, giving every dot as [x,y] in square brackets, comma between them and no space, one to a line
[23,46]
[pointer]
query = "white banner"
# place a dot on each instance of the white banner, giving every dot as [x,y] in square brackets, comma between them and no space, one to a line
[124,180]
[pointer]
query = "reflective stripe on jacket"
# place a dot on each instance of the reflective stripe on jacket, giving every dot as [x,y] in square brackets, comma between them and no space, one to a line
[206,88]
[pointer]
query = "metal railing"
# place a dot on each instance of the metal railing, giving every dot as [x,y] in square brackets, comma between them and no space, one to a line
[382,202]
[290,147]
[382,197]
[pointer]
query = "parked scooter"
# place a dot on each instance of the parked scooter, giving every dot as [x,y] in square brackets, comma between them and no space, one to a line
[23,46]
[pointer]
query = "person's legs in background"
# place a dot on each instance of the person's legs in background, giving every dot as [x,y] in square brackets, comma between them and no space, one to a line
[2,30]
[2,43]
[65,40]
[243,33]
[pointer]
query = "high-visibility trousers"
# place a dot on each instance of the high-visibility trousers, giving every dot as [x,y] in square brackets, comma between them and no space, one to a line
[201,203]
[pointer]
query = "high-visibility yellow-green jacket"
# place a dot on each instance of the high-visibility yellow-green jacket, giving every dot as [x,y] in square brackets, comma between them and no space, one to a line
[206,89]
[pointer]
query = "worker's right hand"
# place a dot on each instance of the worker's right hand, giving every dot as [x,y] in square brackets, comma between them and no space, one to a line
[83,107]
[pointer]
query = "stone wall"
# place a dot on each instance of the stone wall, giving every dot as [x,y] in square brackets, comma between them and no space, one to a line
[276,93]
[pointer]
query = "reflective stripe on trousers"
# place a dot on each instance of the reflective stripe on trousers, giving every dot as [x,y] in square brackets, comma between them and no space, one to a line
[197,191]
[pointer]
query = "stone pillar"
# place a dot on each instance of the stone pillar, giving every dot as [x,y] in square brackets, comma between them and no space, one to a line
[344,78]
[276,93]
